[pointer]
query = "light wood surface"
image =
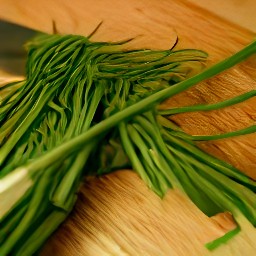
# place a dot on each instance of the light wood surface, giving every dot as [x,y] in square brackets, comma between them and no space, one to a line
[173,226]
[240,12]
[118,215]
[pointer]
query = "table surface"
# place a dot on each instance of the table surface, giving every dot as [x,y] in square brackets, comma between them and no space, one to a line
[241,12]
[183,218]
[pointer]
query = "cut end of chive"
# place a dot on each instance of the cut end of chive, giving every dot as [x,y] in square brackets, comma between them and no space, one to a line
[12,188]
[222,240]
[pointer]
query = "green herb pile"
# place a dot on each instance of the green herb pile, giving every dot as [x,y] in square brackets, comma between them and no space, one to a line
[88,108]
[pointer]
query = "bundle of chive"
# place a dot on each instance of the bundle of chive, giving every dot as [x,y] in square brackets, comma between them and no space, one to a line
[79,100]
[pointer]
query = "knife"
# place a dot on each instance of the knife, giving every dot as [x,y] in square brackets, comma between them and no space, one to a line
[12,51]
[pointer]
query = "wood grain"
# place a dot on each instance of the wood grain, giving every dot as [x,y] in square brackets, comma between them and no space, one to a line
[118,215]
[237,11]
[173,226]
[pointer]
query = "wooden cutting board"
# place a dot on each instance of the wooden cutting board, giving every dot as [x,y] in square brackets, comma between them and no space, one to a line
[117,214]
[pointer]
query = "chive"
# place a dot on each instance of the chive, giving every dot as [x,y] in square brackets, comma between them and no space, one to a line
[149,102]
[221,166]
[244,131]
[223,104]
[77,94]
[40,235]
[132,154]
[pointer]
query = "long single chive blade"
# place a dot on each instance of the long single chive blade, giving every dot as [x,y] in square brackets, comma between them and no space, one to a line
[245,131]
[203,107]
